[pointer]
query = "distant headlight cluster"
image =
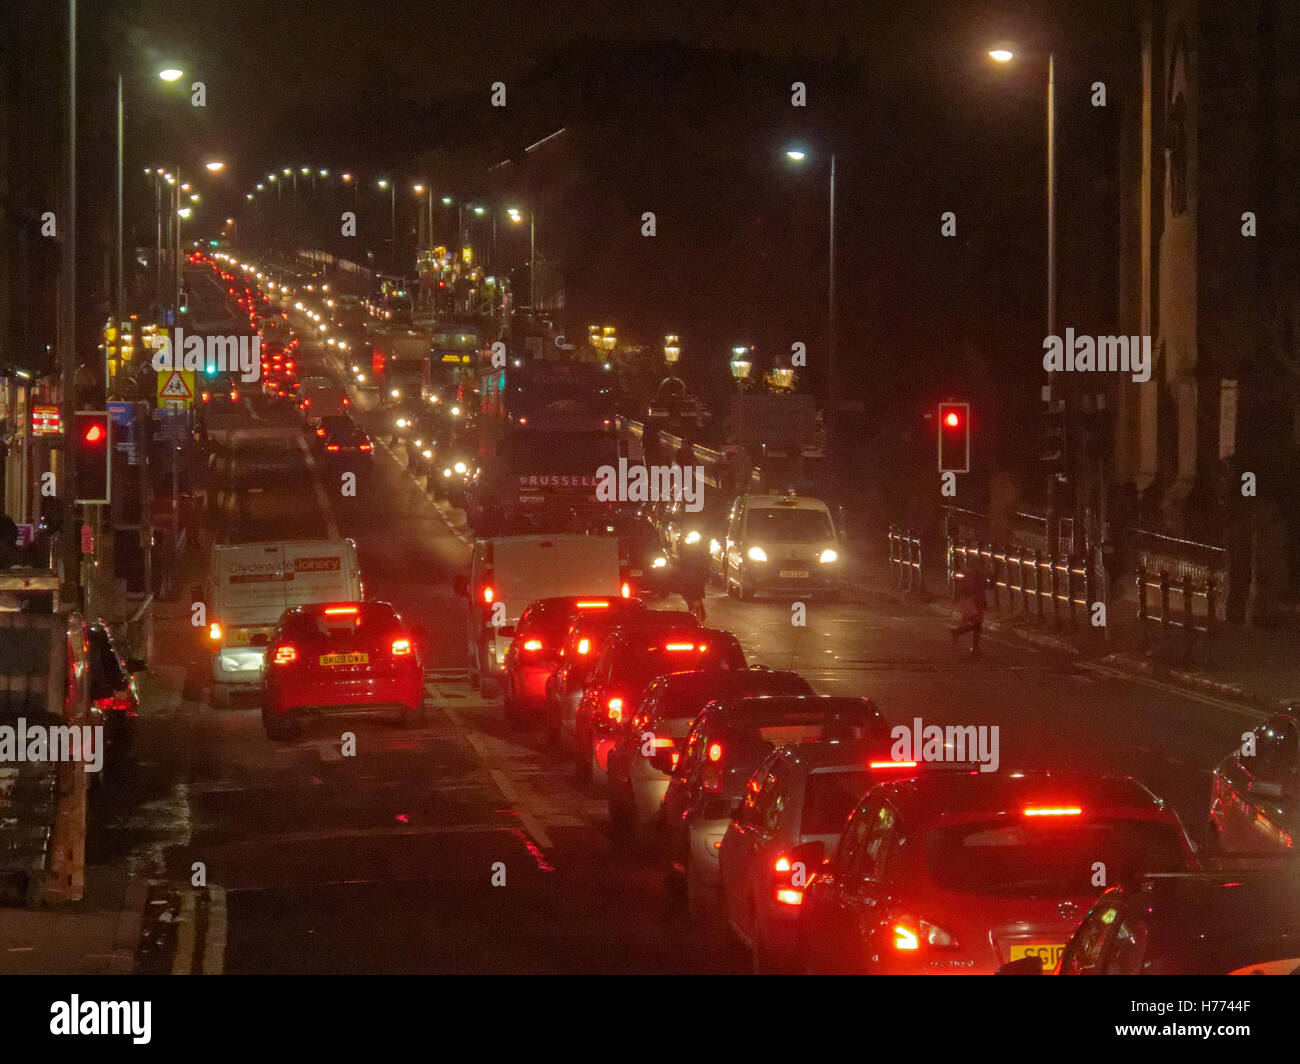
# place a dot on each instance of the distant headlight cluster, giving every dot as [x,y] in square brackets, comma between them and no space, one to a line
[757,554]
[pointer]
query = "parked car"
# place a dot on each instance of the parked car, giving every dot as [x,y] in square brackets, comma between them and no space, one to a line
[1255,803]
[114,697]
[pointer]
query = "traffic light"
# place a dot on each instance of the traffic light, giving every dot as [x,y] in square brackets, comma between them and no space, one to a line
[1053,443]
[92,443]
[954,437]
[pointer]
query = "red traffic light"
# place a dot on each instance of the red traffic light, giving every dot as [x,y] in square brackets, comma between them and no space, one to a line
[951,419]
[954,438]
[94,434]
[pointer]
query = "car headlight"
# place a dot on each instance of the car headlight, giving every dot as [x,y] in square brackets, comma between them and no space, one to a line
[455,411]
[757,554]
[715,547]
[361,378]
[401,422]
[446,472]
[461,467]
[829,556]
[692,536]
[419,443]
[396,393]
[659,562]
[427,453]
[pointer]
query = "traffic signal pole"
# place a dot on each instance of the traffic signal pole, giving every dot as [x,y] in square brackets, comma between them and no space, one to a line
[70,536]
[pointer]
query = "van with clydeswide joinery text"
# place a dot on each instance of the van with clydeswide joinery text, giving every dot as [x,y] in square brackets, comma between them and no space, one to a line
[509,573]
[251,584]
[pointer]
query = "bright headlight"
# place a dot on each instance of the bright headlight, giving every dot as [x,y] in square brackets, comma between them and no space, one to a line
[446,472]
[659,562]
[401,422]
[715,547]
[757,554]
[427,453]
[460,467]
[343,345]
[419,443]
[361,378]
[455,411]
[829,556]
[396,393]
[692,536]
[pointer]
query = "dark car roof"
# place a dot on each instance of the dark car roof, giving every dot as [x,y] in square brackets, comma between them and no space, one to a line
[690,690]
[956,794]
[1215,923]
[749,712]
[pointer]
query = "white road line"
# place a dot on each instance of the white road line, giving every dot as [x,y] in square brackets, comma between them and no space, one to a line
[214,942]
[331,526]
[183,961]
[1248,712]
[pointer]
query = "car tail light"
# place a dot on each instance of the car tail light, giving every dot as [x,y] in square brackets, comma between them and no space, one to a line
[782,864]
[614,707]
[626,590]
[339,611]
[679,646]
[214,631]
[234,397]
[1055,810]
[320,432]
[594,604]
[285,654]
[789,896]
[331,447]
[532,644]
[715,752]
[347,402]
[112,703]
[401,647]
[893,764]
[584,646]
[488,594]
[365,447]
[913,934]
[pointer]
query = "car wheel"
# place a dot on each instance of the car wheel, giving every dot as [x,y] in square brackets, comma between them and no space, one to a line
[280,727]
[413,716]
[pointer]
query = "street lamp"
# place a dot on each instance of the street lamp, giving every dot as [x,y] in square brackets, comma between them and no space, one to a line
[516,217]
[215,166]
[383,183]
[797,154]
[1004,55]
[672,350]
[741,364]
[171,74]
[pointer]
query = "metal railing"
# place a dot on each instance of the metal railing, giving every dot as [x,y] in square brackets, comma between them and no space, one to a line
[1197,590]
[905,558]
[1031,580]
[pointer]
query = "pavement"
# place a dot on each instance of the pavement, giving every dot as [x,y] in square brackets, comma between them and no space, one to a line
[1258,667]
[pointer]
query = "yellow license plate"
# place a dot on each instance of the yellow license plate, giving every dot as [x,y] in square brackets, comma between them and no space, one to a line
[345,659]
[1050,952]
[242,637]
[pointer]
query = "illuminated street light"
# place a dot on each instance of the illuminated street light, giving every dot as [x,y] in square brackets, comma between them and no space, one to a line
[324,173]
[215,166]
[797,154]
[260,187]
[185,212]
[672,349]
[1001,55]
[347,177]
[305,170]
[383,182]
[286,171]
[171,74]
[446,201]
[741,361]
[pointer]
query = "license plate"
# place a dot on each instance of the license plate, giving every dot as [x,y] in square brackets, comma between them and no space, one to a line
[794,574]
[637,572]
[345,659]
[1050,952]
[242,637]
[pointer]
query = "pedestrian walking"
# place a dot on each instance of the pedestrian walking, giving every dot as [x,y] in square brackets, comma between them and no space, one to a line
[693,576]
[971,604]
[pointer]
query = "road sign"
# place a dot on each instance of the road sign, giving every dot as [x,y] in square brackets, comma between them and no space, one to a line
[176,385]
[45,421]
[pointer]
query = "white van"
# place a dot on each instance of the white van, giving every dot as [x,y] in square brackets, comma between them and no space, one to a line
[508,573]
[251,584]
[786,544]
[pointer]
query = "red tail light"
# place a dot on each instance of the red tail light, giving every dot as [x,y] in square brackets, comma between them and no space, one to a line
[112,703]
[365,446]
[584,646]
[338,611]
[893,764]
[320,432]
[532,644]
[679,646]
[1061,810]
[488,594]
[626,590]
[284,655]
[593,604]
[332,447]
[401,647]
[715,752]
[615,709]
[346,401]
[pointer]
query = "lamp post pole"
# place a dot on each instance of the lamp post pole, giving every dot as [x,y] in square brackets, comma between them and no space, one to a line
[70,593]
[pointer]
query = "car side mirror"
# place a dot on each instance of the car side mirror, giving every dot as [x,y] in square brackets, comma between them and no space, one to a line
[461,586]
[1030,965]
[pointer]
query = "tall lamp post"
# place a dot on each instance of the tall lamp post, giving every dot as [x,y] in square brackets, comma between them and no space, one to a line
[384,183]
[742,364]
[1004,55]
[798,155]
[517,217]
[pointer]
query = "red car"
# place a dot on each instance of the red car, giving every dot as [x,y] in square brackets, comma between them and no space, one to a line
[957,871]
[341,657]
[534,652]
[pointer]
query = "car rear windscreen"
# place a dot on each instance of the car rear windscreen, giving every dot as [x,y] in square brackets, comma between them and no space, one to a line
[830,797]
[1050,857]
[344,625]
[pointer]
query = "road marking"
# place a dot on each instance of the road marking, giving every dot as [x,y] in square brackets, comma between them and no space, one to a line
[1248,712]
[214,942]
[183,961]
[331,526]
